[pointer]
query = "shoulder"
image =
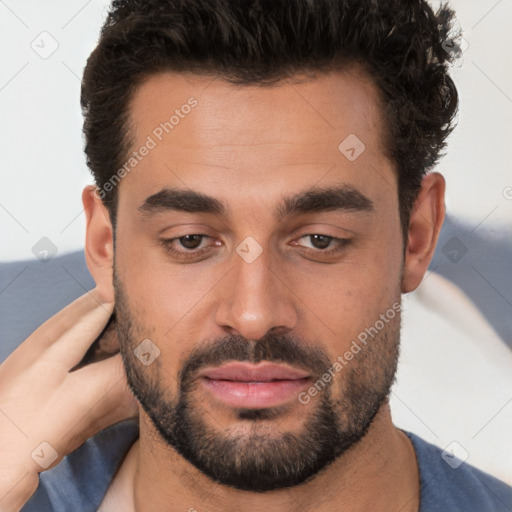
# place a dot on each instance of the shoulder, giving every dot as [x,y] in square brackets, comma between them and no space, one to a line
[81,480]
[447,483]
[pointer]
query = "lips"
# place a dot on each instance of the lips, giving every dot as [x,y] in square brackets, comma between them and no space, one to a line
[244,372]
[249,386]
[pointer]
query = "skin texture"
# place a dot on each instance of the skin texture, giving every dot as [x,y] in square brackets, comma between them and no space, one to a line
[249,147]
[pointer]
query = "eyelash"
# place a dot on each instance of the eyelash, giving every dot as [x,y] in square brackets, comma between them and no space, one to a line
[167,243]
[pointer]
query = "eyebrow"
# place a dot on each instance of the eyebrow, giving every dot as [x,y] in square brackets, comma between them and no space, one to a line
[315,200]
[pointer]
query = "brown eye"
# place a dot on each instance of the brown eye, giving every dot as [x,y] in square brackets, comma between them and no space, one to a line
[323,244]
[320,241]
[191,241]
[188,246]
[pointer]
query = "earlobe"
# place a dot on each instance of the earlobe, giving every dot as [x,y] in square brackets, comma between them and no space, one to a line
[99,244]
[425,224]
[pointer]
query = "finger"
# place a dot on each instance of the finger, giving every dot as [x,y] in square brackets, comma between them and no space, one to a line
[52,331]
[54,328]
[106,397]
[104,346]
[70,348]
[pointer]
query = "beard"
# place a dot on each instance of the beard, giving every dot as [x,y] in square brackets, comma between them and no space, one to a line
[261,457]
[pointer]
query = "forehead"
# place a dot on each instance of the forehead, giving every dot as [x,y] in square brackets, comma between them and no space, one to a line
[213,136]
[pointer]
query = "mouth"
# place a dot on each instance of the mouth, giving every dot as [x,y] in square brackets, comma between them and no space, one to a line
[250,386]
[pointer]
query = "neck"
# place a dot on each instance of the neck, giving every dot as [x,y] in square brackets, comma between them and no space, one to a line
[378,473]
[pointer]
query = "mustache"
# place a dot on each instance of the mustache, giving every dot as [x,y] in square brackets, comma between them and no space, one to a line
[273,348]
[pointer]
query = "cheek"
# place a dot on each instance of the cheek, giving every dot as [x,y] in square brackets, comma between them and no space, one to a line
[167,302]
[164,292]
[340,301]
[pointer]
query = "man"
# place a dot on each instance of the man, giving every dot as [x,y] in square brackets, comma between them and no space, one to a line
[263,196]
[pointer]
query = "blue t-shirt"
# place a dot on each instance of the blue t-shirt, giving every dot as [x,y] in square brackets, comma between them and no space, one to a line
[81,480]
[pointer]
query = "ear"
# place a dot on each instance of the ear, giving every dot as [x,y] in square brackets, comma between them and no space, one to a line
[425,224]
[99,243]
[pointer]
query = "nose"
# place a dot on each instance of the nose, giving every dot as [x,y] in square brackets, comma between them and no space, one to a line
[255,298]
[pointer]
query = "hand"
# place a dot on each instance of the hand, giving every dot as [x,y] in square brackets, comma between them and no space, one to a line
[51,402]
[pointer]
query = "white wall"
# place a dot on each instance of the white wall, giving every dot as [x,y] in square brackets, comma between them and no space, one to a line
[42,164]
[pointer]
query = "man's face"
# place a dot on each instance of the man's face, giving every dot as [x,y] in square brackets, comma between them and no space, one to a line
[267,282]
